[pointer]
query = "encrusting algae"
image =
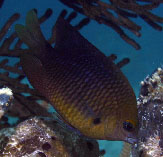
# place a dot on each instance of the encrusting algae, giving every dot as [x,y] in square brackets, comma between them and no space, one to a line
[86,88]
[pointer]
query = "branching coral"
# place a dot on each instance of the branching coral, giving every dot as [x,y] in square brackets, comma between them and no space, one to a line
[117,14]
[19,90]
[23,93]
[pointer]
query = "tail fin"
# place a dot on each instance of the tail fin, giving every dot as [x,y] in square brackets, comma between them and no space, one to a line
[31,33]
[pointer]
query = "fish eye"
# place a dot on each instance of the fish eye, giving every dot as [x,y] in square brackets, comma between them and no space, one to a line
[128,126]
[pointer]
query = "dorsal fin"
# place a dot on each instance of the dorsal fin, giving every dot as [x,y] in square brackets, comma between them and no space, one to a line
[68,38]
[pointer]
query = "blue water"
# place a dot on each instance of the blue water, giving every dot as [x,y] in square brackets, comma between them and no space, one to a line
[143,62]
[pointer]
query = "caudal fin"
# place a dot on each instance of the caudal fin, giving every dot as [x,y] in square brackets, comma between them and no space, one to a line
[31,33]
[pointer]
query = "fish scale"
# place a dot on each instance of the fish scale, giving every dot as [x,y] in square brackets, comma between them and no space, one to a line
[88,90]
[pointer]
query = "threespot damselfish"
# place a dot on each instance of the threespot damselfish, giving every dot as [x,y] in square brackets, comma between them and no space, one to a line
[87,89]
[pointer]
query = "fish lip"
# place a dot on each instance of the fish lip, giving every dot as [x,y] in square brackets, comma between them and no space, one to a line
[131,140]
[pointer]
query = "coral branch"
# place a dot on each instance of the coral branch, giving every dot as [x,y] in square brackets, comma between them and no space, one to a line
[123,62]
[8,24]
[124,10]
[19,89]
[10,68]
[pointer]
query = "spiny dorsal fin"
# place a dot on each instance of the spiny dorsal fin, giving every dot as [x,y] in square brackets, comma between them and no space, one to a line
[69,40]
[68,37]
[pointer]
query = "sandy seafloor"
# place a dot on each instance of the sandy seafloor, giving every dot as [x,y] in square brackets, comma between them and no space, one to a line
[143,62]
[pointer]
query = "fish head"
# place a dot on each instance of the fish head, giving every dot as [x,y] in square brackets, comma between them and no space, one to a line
[129,131]
[123,126]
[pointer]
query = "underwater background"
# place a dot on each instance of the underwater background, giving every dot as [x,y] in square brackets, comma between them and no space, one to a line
[142,62]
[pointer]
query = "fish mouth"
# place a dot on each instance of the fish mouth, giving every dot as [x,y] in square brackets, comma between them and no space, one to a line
[131,140]
[132,137]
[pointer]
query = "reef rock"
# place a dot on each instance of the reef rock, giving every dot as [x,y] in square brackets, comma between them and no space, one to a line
[42,137]
[6,97]
[150,112]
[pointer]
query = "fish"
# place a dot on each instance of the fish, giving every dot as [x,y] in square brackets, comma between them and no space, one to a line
[87,90]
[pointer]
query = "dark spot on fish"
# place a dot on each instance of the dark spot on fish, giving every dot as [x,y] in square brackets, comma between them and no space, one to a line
[41,154]
[90,145]
[46,146]
[97,121]
[127,126]
[53,138]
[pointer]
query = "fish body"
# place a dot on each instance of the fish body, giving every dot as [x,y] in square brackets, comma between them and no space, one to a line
[88,91]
